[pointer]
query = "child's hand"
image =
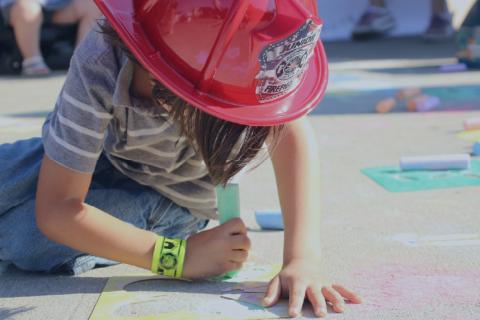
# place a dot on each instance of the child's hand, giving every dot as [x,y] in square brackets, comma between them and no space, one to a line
[302,278]
[216,251]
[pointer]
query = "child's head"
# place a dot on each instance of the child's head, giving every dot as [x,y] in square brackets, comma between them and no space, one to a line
[231,72]
[226,147]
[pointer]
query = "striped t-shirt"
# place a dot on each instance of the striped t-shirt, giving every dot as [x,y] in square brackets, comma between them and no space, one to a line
[95,113]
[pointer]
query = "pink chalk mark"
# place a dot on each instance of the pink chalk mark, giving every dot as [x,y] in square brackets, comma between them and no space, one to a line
[398,287]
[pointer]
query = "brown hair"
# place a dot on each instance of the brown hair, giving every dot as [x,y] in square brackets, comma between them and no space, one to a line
[225,147]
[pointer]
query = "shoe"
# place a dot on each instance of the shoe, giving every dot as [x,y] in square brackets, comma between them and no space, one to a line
[468,45]
[35,67]
[375,22]
[440,27]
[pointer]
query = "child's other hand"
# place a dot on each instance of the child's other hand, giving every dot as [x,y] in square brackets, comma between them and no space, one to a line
[216,251]
[302,278]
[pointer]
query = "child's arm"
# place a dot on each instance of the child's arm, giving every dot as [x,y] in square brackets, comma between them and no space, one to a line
[297,170]
[83,112]
[63,217]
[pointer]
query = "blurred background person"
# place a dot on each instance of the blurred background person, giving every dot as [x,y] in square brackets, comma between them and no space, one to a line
[27,16]
[378,21]
[468,38]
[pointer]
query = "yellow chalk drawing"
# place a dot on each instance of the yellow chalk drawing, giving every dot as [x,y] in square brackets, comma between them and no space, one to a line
[115,296]
[473,135]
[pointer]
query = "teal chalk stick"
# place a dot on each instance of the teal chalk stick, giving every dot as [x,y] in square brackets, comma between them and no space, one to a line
[228,201]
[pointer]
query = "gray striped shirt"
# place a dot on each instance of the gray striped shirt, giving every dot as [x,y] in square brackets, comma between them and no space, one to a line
[95,113]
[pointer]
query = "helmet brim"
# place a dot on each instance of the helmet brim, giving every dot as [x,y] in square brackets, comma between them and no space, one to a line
[288,108]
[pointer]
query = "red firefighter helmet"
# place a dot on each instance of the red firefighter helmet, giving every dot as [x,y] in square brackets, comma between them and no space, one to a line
[256,62]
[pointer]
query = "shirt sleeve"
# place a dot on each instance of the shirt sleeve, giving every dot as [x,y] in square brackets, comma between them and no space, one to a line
[74,132]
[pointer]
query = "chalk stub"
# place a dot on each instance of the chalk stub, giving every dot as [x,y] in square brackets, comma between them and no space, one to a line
[455,67]
[386,105]
[476,149]
[436,162]
[472,124]
[423,103]
[269,219]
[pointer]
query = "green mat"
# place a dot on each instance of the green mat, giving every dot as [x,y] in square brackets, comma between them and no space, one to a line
[395,180]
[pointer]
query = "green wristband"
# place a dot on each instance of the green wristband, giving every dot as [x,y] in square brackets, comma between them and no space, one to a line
[169,257]
[181,258]
[156,253]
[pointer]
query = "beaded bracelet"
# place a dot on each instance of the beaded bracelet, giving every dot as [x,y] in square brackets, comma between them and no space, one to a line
[169,257]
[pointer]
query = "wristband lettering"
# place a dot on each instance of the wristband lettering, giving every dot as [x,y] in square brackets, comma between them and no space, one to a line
[169,257]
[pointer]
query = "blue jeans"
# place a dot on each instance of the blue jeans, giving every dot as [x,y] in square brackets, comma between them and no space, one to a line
[22,243]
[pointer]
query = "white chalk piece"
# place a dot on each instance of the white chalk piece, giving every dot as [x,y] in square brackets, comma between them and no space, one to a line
[269,219]
[423,103]
[472,124]
[476,149]
[456,67]
[439,162]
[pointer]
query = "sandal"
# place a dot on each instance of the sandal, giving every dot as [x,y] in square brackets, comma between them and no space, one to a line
[35,67]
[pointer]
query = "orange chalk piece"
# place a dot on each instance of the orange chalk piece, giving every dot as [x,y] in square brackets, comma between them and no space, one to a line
[409,93]
[386,105]
[472,124]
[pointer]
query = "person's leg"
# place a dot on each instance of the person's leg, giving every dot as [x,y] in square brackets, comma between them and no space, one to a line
[19,163]
[473,18]
[376,21]
[468,40]
[22,243]
[439,6]
[26,18]
[440,26]
[83,12]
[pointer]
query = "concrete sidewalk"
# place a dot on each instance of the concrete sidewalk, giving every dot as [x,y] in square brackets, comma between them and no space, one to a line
[363,225]
[360,223]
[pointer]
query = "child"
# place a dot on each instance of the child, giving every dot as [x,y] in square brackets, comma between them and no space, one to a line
[27,16]
[468,39]
[377,20]
[132,152]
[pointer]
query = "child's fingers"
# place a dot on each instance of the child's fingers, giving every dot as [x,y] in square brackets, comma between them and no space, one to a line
[317,300]
[240,242]
[235,226]
[273,292]
[335,298]
[231,266]
[239,256]
[297,297]
[347,294]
